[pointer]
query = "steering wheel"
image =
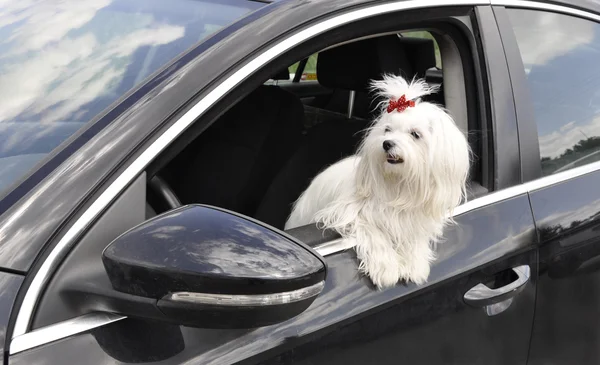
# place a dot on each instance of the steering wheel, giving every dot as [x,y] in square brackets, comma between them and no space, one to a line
[164,193]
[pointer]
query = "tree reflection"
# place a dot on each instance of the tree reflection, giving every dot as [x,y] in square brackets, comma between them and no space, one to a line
[580,150]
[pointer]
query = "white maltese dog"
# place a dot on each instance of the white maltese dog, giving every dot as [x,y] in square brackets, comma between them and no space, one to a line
[392,200]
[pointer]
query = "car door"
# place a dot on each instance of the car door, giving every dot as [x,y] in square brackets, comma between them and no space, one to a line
[554,53]
[476,308]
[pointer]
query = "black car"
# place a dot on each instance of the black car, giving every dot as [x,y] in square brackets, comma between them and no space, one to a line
[150,152]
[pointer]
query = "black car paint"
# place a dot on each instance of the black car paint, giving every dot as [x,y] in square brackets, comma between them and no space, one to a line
[529,147]
[88,349]
[351,322]
[568,296]
[9,286]
[504,123]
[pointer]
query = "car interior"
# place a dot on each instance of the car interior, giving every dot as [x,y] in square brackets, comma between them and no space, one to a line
[258,157]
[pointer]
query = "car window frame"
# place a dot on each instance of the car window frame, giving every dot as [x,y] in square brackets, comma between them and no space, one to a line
[21,332]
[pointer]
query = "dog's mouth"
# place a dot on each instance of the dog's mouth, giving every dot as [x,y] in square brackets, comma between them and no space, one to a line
[394,159]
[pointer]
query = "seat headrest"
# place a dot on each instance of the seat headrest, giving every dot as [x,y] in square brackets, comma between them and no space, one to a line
[281,75]
[352,66]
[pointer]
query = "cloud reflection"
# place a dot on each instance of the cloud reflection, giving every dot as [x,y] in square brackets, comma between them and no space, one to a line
[564,218]
[45,22]
[199,239]
[545,36]
[559,52]
[65,72]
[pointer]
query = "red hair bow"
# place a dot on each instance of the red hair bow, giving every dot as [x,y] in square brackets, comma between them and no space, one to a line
[400,105]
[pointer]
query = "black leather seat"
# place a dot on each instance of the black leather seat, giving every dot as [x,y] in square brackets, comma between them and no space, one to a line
[232,163]
[326,144]
[347,67]
[352,66]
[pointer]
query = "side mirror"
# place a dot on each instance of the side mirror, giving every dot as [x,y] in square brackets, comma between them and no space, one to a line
[207,267]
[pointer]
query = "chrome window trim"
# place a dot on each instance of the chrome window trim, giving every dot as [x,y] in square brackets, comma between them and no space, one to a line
[532,5]
[332,247]
[62,330]
[23,339]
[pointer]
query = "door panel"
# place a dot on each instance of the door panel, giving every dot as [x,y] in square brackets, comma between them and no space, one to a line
[568,307]
[351,322]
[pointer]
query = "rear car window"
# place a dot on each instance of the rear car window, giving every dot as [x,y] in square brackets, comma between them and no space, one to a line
[62,63]
[309,73]
[560,54]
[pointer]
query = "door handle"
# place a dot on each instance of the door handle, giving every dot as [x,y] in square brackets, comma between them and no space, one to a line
[499,299]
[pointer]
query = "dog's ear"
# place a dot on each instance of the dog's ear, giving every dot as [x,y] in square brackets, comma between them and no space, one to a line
[365,178]
[449,162]
[366,171]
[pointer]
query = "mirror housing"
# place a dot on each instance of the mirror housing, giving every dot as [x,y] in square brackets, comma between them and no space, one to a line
[208,267]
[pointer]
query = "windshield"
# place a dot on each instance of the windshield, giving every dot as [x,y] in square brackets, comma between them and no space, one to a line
[63,62]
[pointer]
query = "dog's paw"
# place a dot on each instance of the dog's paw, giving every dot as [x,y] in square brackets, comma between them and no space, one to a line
[385,278]
[383,271]
[418,273]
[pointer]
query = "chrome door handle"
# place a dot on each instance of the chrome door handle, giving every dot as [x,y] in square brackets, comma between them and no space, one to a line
[482,296]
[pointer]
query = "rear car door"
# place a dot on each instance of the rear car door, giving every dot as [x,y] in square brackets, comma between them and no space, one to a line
[553,55]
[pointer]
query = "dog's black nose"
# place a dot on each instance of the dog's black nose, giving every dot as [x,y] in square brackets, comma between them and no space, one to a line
[387,145]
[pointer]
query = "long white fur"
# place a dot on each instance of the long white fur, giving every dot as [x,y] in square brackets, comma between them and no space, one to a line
[393,214]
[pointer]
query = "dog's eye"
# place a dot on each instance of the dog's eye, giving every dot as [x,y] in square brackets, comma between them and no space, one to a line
[415,134]
[387,130]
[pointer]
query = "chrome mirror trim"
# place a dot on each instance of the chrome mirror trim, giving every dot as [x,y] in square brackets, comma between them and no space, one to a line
[239,300]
